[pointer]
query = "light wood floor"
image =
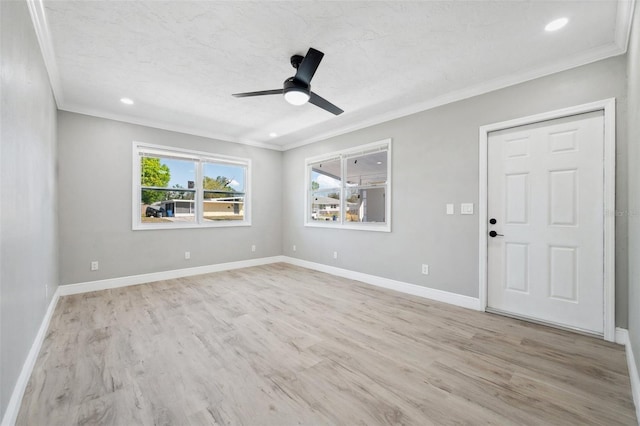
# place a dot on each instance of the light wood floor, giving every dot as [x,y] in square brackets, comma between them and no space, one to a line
[282,345]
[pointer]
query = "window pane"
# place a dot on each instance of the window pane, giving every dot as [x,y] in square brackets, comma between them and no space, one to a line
[165,196]
[325,206]
[170,206]
[159,172]
[223,193]
[368,169]
[223,206]
[223,177]
[326,175]
[365,205]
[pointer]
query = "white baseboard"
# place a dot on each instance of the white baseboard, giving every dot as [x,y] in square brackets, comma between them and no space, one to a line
[622,337]
[78,288]
[635,380]
[11,414]
[413,289]
[69,289]
[416,290]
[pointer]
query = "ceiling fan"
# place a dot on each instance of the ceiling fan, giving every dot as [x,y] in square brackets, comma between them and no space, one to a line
[297,89]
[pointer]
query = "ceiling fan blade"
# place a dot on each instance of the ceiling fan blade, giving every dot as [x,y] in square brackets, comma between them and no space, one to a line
[321,102]
[309,65]
[261,93]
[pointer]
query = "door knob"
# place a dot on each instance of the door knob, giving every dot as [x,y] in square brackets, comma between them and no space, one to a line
[494,234]
[493,221]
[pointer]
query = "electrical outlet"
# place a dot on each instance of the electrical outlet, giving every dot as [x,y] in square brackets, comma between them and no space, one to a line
[425,269]
[253,247]
[94,265]
[187,255]
[294,247]
[335,254]
[450,209]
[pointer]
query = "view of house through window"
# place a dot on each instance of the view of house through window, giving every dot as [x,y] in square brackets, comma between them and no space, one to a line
[167,191]
[366,184]
[180,188]
[350,188]
[326,184]
[223,189]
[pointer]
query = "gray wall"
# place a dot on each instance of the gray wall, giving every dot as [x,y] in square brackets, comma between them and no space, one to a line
[633,73]
[28,221]
[435,161]
[95,181]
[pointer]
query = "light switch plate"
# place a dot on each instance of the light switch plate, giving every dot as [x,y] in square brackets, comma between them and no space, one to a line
[466,208]
[450,209]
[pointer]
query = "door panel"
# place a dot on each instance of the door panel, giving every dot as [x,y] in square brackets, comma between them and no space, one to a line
[546,192]
[563,197]
[563,273]
[517,198]
[517,267]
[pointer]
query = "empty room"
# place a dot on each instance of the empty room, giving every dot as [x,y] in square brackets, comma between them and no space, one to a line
[320,212]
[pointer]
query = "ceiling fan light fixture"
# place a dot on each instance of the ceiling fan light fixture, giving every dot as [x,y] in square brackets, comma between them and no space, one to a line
[296,92]
[296,96]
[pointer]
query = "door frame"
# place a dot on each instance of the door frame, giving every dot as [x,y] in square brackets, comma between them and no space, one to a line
[608,106]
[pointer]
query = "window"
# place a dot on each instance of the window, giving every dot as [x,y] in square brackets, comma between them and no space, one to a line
[350,189]
[176,188]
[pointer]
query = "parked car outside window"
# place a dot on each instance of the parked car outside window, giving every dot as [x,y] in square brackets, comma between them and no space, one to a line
[155,211]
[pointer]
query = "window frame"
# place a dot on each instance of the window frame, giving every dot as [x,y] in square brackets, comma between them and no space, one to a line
[199,158]
[344,155]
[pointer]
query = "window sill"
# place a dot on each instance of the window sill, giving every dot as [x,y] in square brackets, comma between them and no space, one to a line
[375,227]
[221,224]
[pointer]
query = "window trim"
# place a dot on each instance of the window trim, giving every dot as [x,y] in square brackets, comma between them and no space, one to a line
[343,155]
[200,157]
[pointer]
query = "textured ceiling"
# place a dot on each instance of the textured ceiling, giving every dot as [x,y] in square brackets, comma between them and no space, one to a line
[180,61]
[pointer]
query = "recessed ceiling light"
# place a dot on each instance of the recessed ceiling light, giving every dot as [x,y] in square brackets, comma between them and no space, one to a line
[556,24]
[126,101]
[273,134]
[379,162]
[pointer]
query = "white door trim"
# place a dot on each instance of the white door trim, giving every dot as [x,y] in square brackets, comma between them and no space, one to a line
[608,106]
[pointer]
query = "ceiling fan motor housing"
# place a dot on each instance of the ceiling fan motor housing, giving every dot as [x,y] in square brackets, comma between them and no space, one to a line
[296,92]
[294,84]
[296,60]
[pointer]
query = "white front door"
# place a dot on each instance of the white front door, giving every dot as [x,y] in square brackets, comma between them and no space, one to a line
[546,197]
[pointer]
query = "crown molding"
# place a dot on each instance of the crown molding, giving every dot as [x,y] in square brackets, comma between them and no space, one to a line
[584,58]
[163,125]
[624,19]
[617,47]
[43,34]
[39,19]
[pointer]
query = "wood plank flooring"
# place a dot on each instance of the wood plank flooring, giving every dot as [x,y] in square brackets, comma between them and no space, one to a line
[283,345]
